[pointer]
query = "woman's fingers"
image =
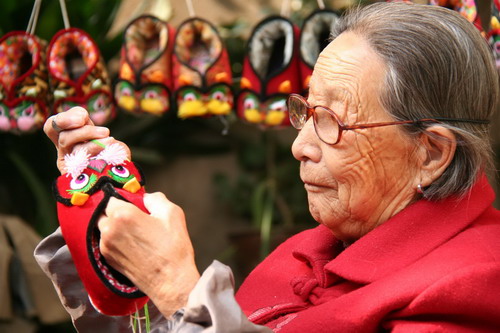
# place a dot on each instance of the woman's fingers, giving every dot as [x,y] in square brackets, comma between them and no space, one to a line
[73,129]
[73,118]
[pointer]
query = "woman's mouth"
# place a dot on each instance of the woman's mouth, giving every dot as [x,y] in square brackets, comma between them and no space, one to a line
[313,187]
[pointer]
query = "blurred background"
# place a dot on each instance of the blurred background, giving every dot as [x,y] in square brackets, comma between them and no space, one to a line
[219,180]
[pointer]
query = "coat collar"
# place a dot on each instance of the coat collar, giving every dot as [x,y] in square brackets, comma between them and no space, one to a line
[400,241]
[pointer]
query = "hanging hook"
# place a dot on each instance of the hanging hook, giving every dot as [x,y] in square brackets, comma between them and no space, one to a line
[190,7]
[285,8]
[64,14]
[34,17]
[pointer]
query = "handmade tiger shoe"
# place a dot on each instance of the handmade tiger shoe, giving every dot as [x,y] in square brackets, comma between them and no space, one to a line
[314,37]
[145,77]
[23,83]
[493,35]
[78,75]
[82,194]
[201,70]
[270,73]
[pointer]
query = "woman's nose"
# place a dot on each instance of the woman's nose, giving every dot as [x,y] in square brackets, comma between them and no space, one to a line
[306,144]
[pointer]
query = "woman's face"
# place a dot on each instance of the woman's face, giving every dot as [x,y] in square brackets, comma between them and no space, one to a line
[371,174]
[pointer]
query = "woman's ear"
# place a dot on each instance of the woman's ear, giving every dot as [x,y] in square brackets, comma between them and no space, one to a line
[438,145]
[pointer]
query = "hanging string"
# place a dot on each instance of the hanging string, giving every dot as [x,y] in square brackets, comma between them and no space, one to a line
[285,8]
[225,123]
[190,7]
[34,17]
[64,13]
[321,4]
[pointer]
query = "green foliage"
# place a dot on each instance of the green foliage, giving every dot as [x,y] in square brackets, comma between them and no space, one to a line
[27,162]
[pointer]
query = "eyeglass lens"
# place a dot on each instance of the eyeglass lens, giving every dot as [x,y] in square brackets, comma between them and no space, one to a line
[325,124]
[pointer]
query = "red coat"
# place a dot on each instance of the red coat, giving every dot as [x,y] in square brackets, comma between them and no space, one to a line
[434,267]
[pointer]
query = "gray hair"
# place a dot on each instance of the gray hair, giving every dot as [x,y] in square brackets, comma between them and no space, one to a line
[439,65]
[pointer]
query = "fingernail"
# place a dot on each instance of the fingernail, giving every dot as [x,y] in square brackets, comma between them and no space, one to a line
[102,131]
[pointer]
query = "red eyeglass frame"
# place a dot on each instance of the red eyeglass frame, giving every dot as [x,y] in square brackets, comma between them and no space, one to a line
[343,127]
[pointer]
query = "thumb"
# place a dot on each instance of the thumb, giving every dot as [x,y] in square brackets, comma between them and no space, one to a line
[157,204]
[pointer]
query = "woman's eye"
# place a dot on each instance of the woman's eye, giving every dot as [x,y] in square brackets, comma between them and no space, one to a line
[79,182]
[120,171]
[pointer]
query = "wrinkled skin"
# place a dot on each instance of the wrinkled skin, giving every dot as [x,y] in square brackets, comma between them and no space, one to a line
[371,174]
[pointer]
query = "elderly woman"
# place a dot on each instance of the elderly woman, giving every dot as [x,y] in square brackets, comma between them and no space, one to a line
[393,147]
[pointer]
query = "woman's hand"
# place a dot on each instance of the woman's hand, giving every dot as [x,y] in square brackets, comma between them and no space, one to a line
[154,251]
[74,129]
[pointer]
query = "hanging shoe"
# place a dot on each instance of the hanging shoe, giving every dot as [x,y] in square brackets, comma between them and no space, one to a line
[23,83]
[82,194]
[202,72]
[270,73]
[493,35]
[314,37]
[145,80]
[78,75]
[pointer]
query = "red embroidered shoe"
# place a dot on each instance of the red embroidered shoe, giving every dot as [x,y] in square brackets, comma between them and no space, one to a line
[314,37]
[78,75]
[270,73]
[82,194]
[202,72]
[23,83]
[494,34]
[145,79]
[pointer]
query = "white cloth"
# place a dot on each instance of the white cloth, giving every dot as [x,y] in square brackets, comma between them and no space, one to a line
[211,305]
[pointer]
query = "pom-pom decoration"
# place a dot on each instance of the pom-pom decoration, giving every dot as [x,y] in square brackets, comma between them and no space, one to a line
[82,194]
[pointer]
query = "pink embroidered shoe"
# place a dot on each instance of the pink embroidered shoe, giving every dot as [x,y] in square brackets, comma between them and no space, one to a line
[78,75]
[493,35]
[23,83]
[145,79]
[202,72]
[314,37]
[270,73]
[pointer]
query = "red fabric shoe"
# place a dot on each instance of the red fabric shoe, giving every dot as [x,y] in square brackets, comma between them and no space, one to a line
[78,75]
[494,34]
[314,37]
[23,83]
[82,194]
[270,73]
[145,79]
[201,70]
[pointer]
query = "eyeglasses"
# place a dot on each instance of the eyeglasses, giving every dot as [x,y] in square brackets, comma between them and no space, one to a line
[329,127]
